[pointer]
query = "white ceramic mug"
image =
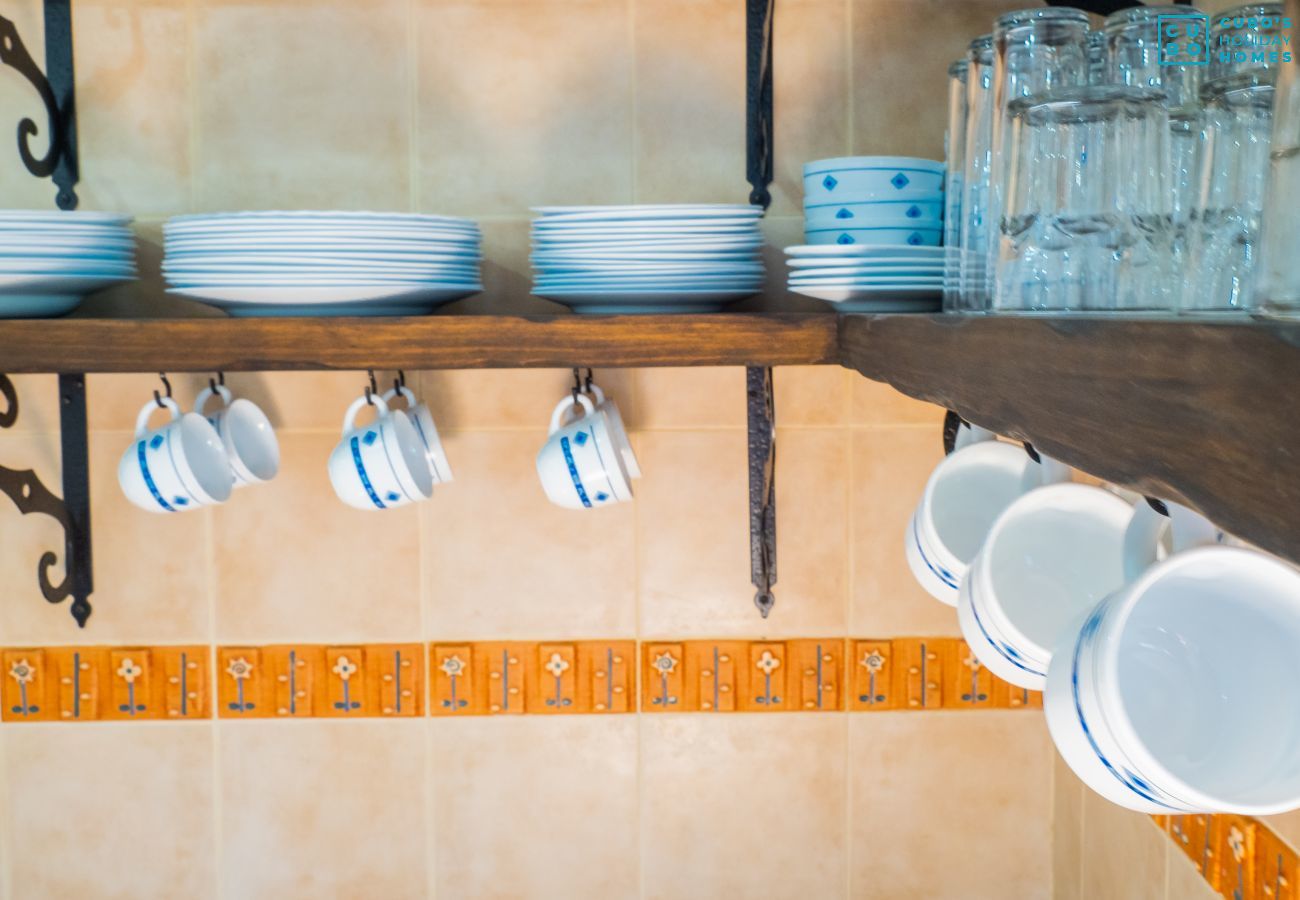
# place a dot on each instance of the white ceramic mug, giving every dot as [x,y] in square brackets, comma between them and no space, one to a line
[1181,692]
[1051,555]
[181,465]
[967,491]
[246,434]
[617,430]
[380,465]
[422,419]
[579,466]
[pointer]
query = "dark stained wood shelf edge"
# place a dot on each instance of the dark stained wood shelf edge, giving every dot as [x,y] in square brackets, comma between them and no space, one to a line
[421,342]
[1205,414]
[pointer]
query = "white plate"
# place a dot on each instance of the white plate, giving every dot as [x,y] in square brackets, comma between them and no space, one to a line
[845,294]
[685,226]
[859,262]
[314,215]
[317,249]
[652,245]
[651,210]
[739,254]
[37,306]
[651,278]
[56,284]
[666,218]
[301,235]
[17,243]
[856,251]
[62,217]
[627,268]
[318,281]
[324,266]
[321,295]
[849,272]
[869,281]
[644,301]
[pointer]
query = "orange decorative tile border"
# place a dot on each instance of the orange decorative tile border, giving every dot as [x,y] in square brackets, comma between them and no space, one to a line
[468,678]
[1239,857]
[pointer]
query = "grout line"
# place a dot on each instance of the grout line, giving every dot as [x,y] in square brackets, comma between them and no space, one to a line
[413,107]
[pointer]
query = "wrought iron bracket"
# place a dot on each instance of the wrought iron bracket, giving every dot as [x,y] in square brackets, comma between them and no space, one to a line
[57,92]
[25,489]
[759,137]
[762,486]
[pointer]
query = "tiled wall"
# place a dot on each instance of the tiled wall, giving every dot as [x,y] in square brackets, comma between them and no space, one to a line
[483,108]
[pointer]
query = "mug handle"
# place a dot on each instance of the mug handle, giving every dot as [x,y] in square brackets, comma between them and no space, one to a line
[596,392]
[350,417]
[142,420]
[1142,537]
[1052,471]
[201,400]
[407,394]
[968,434]
[565,405]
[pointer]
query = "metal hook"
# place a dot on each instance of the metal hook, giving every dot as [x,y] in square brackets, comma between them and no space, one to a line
[1158,505]
[1033,454]
[219,380]
[167,384]
[952,423]
[372,388]
[586,386]
[577,384]
[399,383]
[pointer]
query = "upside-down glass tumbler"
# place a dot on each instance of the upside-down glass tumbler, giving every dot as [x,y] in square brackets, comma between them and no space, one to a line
[1279,285]
[976,228]
[1086,225]
[1225,238]
[954,144]
[1035,51]
[1253,36]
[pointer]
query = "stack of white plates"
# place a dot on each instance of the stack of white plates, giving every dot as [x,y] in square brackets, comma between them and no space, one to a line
[861,278]
[322,263]
[50,260]
[647,259]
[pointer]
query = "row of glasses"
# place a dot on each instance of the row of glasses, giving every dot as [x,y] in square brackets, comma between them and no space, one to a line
[977,164]
[954,148]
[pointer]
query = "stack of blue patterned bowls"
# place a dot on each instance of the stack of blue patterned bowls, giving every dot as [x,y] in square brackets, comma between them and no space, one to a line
[873,200]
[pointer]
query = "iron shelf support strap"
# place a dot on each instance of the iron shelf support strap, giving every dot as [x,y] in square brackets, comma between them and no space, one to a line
[759,139]
[762,486]
[56,87]
[73,511]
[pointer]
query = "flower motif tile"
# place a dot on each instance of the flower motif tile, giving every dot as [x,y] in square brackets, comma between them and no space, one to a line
[128,671]
[452,666]
[22,671]
[344,668]
[239,669]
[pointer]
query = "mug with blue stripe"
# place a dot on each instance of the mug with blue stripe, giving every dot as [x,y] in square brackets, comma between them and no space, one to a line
[858,179]
[382,464]
[580,465]
[179,466]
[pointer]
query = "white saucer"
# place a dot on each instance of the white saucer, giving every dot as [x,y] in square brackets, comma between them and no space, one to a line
[852,251]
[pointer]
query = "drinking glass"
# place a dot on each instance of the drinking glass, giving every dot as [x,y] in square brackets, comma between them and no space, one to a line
[1234,170]
[1035,51]
[1098,64]
[1279,268]
[975,223]
[954,153]
[1247,37]
[1087,223]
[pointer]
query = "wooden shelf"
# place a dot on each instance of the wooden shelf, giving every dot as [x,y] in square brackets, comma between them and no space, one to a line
[1205,414]
[422,342]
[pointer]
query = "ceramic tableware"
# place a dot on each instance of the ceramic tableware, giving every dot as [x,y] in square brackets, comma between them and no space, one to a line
[896,235]
[50,260]
[178,466]
[866,178]
[618,432]
[579,465]
[380,465]
[422,419]
[927,211]
[246,435]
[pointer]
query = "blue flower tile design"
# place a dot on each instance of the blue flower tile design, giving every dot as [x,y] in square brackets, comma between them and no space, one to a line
[829,182]
[843,214]
[900,181]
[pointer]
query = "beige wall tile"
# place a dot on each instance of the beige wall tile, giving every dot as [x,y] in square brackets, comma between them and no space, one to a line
[690,102]
[1286,826]
[464,399]
[110,810]
[293,563]
[151,570]
[133,105]
[1067,832]
[780,232]
[743,806]
[500,561]
[523,103]
[950,805]
[1124,852]
[900,69]
[536,807]
[876,403]
[302,105]
[322,809]
[890,468]
[811,395]
[19,100]
[810,93]
[38,403]
[507,274]
[1184,882]
[702,397]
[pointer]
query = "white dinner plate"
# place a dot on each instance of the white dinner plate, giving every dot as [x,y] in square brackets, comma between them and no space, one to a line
[872,251]
[651,211]
[626,268]
[869,281]
[315,281]
[324,295]
[651,278]
[852,262]
[314,215]
[651,244]
[56,284]
[318,249]
[62,217]
[318,265]
[846,294]
[684,226]
[549,257]
[37,306]
[255,235]
[920,271]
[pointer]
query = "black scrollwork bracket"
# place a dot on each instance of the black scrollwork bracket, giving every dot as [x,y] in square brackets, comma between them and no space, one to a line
[762,486]
[24,488]
[759,138]
[56,89]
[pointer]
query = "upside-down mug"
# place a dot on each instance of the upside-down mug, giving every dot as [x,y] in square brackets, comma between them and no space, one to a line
[178,466]
[382,464]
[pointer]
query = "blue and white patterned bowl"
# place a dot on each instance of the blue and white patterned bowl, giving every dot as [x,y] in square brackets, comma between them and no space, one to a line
[866,178]
[926,212]
[894,235]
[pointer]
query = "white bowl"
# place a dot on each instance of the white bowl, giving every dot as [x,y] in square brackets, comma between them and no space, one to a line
[900,236]
[875,212]
[871,178]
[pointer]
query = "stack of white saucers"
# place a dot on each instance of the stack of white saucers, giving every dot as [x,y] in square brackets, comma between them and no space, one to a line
[322,263]
[647,259]
[49,260]
[861,278]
